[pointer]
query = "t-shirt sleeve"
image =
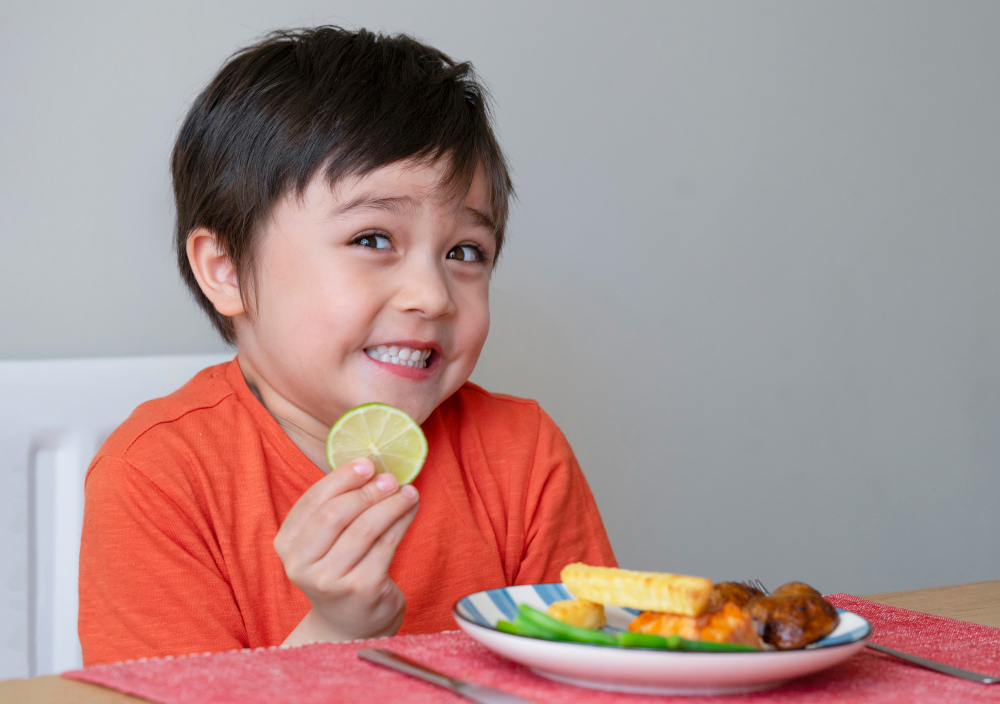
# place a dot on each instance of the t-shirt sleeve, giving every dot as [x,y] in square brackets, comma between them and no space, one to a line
[149,582]
[562,523]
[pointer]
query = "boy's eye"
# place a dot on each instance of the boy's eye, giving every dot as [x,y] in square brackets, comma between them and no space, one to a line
[372,240]
[466,253]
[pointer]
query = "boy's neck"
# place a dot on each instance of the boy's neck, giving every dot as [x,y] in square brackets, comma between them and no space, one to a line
[308,434]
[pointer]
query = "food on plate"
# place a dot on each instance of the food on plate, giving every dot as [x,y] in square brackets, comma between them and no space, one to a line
[678,612]
[794,620]
[730,624]
[578,612]
[648,591]
[693,609]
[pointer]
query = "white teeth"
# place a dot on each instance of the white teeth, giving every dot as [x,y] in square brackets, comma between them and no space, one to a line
[404,356]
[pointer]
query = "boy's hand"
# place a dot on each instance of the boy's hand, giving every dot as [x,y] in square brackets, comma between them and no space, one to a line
[336,545]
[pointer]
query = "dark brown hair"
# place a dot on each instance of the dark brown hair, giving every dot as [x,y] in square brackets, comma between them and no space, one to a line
[301,100]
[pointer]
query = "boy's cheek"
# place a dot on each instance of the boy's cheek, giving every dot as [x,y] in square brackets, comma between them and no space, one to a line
[481,327]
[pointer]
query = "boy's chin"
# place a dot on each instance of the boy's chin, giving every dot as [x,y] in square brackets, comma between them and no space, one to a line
[418,397]
[418,407]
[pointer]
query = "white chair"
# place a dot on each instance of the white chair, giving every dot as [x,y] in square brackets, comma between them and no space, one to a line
[54,414]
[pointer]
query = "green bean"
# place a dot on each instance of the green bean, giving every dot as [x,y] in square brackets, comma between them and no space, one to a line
[706,646]
[564,631]
[628,639]
[507,627]
[522,627]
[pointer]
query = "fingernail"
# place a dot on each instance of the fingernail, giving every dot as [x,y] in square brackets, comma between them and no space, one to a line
[409,492]
[386,482]
[363,468]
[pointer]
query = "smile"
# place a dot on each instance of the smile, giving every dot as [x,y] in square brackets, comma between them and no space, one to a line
[403,356]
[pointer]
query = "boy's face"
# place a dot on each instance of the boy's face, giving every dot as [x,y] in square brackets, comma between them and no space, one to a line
[389,263]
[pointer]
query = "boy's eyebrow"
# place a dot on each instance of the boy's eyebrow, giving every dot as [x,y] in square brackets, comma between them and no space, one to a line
[481,218]
[398,204]
[373,201]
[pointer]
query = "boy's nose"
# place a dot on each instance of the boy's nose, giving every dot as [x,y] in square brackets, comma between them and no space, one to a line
[425,289]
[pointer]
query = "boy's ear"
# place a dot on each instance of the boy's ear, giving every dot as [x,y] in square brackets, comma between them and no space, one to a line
[214,272]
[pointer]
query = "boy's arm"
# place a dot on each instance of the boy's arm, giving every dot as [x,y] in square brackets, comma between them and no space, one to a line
[562,523]
[149,584]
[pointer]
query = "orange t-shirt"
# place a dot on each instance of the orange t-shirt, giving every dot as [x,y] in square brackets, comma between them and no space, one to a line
[184,499]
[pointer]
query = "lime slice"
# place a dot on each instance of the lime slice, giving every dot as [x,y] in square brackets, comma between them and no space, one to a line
[385,435]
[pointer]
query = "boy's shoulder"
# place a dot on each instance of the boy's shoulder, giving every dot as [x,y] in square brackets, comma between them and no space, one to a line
[206,390]
[475,393]
[511,435]
[503,416]
[475,399]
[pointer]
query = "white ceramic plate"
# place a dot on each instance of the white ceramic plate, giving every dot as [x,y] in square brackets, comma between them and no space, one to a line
[641,670]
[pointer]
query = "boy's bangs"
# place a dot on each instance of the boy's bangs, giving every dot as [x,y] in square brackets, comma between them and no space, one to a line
[459,173]
[415,123]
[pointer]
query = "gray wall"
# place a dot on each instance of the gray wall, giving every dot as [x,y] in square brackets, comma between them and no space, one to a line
[751,274]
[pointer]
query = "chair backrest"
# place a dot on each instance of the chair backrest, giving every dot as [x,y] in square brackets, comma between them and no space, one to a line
[54,414]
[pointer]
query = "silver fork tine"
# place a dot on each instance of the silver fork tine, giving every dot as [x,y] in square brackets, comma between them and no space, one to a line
[756,584]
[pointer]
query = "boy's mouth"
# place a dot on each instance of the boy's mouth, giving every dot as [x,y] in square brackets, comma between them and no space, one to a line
[403,356]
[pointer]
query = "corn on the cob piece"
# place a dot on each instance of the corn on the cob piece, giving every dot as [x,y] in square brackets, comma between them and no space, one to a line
[577,612]
[648,591]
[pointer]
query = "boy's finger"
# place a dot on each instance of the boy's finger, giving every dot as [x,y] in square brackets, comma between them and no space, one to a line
[346,477]
[376,562]
[368,528]
[331,520]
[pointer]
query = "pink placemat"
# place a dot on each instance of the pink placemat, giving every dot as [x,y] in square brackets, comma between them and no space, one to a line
[331,672]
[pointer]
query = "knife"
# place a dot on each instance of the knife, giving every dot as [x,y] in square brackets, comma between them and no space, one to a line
[475,692]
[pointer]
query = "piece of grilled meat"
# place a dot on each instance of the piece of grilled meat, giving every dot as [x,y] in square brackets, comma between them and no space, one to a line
[792,617]
[795,589]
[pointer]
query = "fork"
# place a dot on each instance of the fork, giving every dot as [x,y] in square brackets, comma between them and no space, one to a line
[923,662]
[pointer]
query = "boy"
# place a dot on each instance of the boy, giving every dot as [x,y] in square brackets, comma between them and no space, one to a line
[341,200]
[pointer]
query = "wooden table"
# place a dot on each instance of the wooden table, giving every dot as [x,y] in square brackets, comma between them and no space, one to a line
[977,603]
